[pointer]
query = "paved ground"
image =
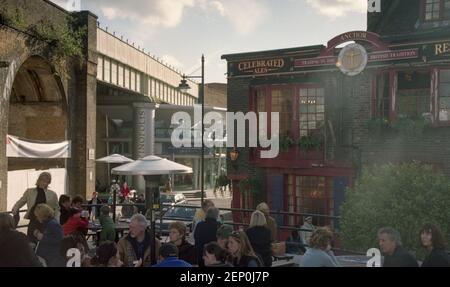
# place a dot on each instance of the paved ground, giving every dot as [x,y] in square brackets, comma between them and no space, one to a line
[220,200]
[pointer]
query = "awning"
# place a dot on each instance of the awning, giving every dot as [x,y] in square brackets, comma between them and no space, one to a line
[16,147]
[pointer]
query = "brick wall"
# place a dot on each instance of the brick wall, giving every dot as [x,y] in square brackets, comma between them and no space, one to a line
[78,81]
[216,95]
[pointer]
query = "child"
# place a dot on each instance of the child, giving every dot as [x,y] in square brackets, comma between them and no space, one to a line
[108,232]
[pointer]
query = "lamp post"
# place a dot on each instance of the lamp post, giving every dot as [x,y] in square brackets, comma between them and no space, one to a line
[183,87]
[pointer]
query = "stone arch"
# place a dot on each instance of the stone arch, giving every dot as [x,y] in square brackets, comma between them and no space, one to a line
[33,96]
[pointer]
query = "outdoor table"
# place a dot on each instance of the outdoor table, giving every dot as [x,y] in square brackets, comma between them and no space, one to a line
[353,260]
[95,228]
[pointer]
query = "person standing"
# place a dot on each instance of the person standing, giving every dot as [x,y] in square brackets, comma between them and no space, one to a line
[307,229]
[34,196]
[200,214]
[391,247]
[94,205]
[205,232]
[433,240]
[260,237]
[271,223]
[50,239]
[125,191]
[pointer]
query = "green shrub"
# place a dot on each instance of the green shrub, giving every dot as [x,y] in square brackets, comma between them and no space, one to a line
[400,196]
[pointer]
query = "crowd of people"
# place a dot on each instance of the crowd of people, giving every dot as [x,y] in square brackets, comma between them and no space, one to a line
[56,226]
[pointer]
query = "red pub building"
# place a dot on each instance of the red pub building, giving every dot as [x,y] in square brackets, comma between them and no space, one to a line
[367,97]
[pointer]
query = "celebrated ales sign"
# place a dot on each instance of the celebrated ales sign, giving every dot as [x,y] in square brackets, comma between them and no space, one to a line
[260,66]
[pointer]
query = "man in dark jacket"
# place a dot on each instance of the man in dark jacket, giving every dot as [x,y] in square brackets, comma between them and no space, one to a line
[93,207]
[391,246]
[205,232]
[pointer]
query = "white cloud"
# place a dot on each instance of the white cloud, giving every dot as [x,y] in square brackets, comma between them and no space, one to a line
[245,16]
[338,8]
[172,61]
[158,13]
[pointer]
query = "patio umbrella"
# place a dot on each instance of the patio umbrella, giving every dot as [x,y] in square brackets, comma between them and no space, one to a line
[151,167]
[114,159]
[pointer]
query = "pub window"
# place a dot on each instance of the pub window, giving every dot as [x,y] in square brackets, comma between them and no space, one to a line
[444,95]
[436,10]
[312,110]
[282,103]
[309,194]
[382,96]
[413,94]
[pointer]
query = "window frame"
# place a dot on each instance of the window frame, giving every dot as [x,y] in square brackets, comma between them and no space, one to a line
[438,98]
[268,88]
[393,76]
[442,16]
[328,196]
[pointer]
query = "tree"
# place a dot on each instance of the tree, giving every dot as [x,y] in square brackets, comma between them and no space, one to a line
[400,196]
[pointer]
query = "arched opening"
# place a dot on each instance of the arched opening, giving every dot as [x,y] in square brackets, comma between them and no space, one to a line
[38,113]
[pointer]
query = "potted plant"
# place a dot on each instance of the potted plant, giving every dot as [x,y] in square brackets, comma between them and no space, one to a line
[310,142]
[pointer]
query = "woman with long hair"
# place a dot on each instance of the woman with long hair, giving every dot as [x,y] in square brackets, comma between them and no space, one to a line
[433,240]
[260,237]
[242,254]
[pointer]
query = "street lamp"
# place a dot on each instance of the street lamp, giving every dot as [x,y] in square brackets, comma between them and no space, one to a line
[183,87]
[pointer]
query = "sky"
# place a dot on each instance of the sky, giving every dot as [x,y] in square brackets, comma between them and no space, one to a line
[180,31]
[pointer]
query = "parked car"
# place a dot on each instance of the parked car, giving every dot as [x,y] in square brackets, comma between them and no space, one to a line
[175,213]
[173,198]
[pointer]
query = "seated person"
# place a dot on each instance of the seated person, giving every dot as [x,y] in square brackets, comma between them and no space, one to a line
[128,210]
[76,222]
[168,257]
[295,244]
[108,232]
